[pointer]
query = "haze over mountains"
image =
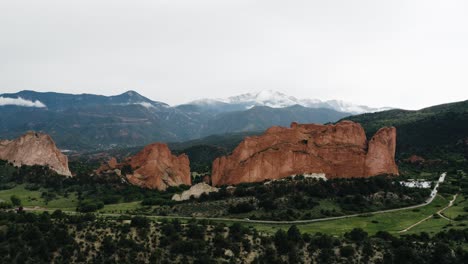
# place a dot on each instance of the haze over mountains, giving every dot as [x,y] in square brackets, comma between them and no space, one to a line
[88,121]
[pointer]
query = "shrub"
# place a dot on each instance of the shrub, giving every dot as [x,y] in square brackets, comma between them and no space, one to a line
[87,206]
[156,201]
[140,221]
[15,200]
[357,235]
[243,207]
[347,251]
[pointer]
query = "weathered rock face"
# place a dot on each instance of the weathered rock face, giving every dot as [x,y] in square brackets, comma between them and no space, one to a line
[155,167]
[34,149]
[196,191]
[110,165]
[415,159]
[380,157]
[339,150]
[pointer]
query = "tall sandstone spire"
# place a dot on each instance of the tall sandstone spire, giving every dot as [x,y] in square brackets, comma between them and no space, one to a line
[339,150]
[34,148]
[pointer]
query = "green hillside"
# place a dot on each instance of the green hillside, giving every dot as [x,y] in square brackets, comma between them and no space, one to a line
[438,132]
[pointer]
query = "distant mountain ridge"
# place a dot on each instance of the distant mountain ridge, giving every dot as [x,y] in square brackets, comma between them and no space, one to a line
[436,132]
[92,122]
[277,99]
[61,101]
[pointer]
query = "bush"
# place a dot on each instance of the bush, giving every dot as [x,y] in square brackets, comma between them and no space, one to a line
[357,235]
[188,247]
[111,199]
[5,205]
[87,206]
[15,200]
[156,201]
[243,207]
[347,251]
[140,221]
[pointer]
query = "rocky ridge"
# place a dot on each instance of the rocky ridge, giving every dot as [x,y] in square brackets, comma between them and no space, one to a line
[35,148]
[340,150]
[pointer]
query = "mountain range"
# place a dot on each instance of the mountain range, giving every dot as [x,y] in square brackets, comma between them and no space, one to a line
[93,122]
[275,99]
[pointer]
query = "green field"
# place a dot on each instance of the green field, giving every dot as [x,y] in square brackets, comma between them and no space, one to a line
[458,208]
[33,198]
[391,222]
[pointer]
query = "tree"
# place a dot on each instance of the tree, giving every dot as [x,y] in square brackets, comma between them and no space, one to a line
[357,235]
[15,200]
[195,231]
[108,245]
[87,206]
[326,255]
[58,214]
[347,251]
[294,235]
[281,242]
[140,221]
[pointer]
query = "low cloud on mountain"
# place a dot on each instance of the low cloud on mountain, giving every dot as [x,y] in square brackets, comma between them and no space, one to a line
[20,102]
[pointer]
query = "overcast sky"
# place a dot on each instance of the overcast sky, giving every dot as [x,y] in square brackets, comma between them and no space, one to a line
[408,54]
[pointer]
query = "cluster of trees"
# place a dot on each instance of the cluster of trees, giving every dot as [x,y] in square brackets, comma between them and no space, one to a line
[93,191]
[58,237]
[291,199]
[15,201]
[457,182]
[32,238]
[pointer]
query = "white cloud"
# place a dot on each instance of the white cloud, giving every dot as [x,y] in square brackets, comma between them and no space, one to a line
[145,104]
[20,102]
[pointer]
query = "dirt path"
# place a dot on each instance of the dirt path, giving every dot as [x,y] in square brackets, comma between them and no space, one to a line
[429,217]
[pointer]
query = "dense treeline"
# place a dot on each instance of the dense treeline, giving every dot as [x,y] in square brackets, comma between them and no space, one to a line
[291,199]
[60,238]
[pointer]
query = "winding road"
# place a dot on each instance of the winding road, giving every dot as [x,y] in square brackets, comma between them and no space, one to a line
[428,201]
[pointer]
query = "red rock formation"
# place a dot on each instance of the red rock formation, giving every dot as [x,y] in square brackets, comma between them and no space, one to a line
[339,150]
[415,159]
[34,149]
[110,165]
[155,167]
[380,157]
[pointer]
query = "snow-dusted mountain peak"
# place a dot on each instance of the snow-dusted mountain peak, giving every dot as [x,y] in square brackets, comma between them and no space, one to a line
[277,99]
[269,98]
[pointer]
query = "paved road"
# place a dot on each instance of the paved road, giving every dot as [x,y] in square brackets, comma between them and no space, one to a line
[428,201]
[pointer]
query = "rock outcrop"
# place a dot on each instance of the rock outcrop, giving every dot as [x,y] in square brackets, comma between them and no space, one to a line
[339,150]
[110,165]
[196,191]
[34,149]
[415,159]
[154,167]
